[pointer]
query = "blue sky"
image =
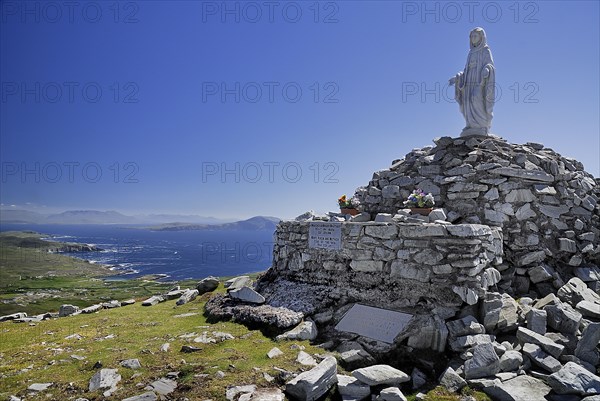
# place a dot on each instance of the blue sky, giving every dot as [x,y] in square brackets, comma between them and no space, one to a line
[238,109]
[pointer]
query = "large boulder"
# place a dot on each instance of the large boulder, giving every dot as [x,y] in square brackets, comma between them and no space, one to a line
[19,315]
[221,307]
[207,284]
[391,394]
[574,379]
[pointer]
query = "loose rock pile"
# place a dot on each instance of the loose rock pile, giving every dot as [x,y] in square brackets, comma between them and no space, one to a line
[525,350]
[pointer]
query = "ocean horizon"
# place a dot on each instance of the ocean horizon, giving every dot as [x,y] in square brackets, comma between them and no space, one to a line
[134,251]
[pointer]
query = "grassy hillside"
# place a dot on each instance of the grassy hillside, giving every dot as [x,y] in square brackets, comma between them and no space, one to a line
[41,353]
[35,281]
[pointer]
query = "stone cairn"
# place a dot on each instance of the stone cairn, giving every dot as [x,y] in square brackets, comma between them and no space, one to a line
[545,204]
[511,221]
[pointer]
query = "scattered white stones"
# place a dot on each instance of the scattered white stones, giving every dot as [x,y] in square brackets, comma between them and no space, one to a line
[306,330]
[520,388]
[246,294]
[451,380]
[207,284]
[37,387]
[153,300]
[105,379]
[187,296]
[314,383]
[147,396]
[484,362]
[237,282]
[351,388]
[304,358]
[574,379]
[527,336]
[274,353]
[391,394]
[131,363]
[68,310]
[162,386]
[380,374]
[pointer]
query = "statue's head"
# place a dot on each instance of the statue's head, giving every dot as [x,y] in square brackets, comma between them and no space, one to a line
[477,37]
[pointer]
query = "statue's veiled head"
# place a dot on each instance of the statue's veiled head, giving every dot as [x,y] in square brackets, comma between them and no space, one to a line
[477,38]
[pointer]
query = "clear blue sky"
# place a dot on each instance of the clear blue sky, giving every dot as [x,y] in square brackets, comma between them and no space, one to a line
[160,97]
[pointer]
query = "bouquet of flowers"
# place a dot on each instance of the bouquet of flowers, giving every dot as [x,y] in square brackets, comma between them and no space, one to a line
[418,198]
[345,203]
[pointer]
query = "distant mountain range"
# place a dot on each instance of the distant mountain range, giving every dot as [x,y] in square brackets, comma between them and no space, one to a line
[21,216]
[256,223]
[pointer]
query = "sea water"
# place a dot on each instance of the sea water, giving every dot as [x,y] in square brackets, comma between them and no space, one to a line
[134,251]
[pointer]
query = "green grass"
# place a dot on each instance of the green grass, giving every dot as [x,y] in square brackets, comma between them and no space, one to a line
[140,331]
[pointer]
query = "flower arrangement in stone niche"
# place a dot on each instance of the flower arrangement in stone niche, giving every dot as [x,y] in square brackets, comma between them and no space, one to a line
[348,203]
[418,198]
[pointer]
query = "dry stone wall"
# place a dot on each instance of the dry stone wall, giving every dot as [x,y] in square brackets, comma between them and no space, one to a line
[394,264]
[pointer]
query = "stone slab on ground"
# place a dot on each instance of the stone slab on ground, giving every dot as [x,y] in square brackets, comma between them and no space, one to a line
[521,388]
[376,323]
[147,396]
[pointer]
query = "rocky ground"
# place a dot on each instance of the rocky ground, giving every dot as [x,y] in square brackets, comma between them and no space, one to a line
[530,349]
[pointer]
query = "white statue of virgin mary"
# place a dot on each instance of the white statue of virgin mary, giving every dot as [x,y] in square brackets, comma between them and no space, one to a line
[474,87]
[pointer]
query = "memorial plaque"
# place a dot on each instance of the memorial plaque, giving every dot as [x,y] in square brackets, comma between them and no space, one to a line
[325,235]
[376,323]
